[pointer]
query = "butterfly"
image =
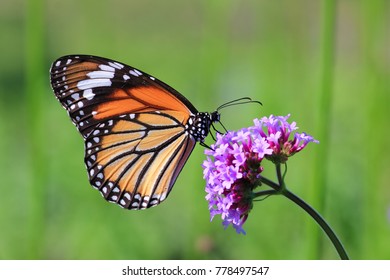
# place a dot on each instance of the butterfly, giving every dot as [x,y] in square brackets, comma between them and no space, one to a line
[138,131]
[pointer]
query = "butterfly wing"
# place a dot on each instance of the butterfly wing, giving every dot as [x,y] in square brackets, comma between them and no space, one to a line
[136,142]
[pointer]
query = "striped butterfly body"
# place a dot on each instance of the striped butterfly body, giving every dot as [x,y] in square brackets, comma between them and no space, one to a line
[138,131]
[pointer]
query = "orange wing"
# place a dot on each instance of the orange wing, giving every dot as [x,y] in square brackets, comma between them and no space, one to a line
[94,89]
[135,162]
[138,131]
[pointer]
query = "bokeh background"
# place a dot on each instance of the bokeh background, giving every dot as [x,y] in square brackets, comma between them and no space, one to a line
[325,62]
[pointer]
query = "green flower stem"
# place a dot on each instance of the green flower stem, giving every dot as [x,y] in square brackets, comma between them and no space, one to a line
[280,188]
[272,184]
[321,222]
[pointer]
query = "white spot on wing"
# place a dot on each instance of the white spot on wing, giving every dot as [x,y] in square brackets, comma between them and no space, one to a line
[138,72]
[116,65]
[88,94]
[106,68]
[93,83]
[101,74]
[135,204]
[135,72]
[163,196]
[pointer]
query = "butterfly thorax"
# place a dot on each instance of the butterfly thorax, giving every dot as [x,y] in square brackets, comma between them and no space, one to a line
[198,125]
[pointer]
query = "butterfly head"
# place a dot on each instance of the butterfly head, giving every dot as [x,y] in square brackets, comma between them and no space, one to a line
[214,117]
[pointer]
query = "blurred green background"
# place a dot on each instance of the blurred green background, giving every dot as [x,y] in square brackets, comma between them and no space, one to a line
[325,62]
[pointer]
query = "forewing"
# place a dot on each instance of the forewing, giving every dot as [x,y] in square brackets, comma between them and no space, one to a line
[94,89]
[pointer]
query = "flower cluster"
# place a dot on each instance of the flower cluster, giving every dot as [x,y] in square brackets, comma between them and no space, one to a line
[278,132]
[229,177]
[233,165]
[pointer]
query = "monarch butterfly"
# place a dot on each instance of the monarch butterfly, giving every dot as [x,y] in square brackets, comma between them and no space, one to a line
[138,131]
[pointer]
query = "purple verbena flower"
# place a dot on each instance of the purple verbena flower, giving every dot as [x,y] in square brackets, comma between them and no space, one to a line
[233,174]
[233,165]
[277,133]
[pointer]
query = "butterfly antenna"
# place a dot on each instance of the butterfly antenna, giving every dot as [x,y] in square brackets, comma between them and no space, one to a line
[239,101]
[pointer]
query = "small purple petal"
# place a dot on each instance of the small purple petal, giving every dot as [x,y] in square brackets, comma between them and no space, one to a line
[261,147]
